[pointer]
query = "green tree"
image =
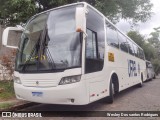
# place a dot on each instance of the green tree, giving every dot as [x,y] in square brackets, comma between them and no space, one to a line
[154,39]
[135,10]
[156,65]
[15,11]
[137,37]
[150,47]
[149,50]
[157,29]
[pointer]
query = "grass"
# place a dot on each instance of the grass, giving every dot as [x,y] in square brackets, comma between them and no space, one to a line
[5,105]
[6,90]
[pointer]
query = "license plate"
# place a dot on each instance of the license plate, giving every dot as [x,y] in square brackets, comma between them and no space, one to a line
[37,94]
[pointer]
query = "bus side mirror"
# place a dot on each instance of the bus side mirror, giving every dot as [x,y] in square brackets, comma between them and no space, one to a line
[11,37]
[80,19]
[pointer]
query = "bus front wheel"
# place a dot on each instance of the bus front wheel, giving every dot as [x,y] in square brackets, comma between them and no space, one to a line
[110,98]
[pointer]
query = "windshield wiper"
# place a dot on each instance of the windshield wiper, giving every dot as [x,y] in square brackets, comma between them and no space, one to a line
[30,56]
[43,47]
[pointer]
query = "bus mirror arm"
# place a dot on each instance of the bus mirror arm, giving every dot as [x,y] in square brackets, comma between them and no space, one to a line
[20,27]
[85,34]
[81,31]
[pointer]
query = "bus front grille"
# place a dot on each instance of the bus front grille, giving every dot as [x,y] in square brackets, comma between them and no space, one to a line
[40,83]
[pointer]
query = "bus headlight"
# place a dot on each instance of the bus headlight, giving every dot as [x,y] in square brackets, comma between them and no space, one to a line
[70,79]
[17,80]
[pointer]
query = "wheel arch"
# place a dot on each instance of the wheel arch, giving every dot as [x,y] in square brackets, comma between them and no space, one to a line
[115,80]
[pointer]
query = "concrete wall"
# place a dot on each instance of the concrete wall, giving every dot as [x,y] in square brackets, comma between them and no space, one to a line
[5,74]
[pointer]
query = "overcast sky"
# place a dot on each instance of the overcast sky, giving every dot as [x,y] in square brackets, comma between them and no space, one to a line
[147,27]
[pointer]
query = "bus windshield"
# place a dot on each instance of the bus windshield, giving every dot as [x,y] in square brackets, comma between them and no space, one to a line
[50,42]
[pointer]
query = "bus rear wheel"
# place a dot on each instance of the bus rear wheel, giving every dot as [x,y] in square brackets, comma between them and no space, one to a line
[141,83]
[154,76]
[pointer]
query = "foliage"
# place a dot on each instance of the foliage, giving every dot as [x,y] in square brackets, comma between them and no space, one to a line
[4,106]
[150,46]
[137,37]
[149,51]
[157,29]
[6,90]
[136,10]
[7,60]
[154,39]
[19,11]
[156,65]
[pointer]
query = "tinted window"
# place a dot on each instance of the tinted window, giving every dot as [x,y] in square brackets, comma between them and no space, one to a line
[135,50]
[123,42]
[141,54]
[130,47]
[111,33]
[91,49]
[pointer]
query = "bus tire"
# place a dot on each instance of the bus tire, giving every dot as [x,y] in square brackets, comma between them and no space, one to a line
[154,76]
[110,98]
[141,83]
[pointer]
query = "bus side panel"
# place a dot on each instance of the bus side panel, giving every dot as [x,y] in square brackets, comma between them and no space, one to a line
[128,68]
[97,90]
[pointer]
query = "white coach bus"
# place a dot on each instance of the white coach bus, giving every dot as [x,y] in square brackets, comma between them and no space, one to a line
[74,55]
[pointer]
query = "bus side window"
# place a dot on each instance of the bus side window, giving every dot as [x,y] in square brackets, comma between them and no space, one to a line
[91,49]
[141,54]
[111,34]
[135,50]
[130,47]
[123,42]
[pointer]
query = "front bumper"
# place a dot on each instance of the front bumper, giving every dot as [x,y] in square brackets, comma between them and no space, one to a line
[72,94]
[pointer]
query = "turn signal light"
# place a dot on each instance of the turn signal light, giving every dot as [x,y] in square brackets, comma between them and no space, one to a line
[79,30]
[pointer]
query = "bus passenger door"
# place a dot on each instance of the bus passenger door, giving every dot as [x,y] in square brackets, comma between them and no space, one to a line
[94,55]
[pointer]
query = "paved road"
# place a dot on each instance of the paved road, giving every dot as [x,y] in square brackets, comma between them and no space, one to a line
[146,98]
